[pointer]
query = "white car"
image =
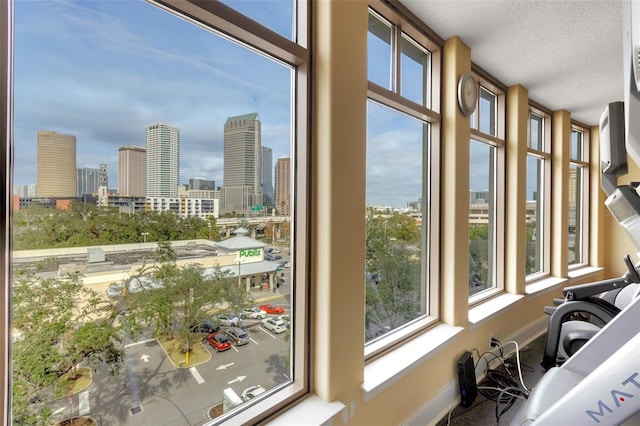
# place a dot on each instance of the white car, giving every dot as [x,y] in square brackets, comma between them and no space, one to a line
[253,313]
[252,392]
[274,325]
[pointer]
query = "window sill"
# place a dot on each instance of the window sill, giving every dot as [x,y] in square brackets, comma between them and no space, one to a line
[544,285]
[313,409]
[583,272]
[390,367]
[482,312]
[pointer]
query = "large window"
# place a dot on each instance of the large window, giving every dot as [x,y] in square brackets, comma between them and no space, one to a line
[400,181]
[486,187]
[578,196]
[172,290]
[537,195]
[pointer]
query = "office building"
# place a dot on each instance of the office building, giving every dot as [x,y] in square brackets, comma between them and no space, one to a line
[132,168]
[242,179]
[201,184]
[162,160]
[283,186]
[88,180]
[267,176]
[56,170]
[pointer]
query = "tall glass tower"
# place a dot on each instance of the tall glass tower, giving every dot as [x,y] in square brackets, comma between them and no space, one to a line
[163,160]
[242,181]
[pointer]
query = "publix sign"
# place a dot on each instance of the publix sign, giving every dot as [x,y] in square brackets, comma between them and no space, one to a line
[250,253]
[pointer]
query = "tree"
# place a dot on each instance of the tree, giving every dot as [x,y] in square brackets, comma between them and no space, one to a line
[61,323]
[393,272]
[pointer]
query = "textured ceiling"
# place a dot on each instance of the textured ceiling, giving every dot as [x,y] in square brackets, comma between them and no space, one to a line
[567,53]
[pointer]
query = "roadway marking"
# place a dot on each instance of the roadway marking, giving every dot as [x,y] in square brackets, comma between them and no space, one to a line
[234,348]
[58,411]
[251,338]
[196,375]
[138,343]
[237,379]
[266,331]
[224,366]
[83,403]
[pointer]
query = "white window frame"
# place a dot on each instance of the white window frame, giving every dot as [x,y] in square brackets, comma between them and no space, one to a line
[583,164]
[431,171]
[543,226]
[497,141]
[232,25]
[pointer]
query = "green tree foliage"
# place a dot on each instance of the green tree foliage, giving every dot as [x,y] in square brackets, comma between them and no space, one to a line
[59,323]
[393,270]
[88,225]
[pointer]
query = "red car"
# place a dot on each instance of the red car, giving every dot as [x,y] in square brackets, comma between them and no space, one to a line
[219,341]
[271,309]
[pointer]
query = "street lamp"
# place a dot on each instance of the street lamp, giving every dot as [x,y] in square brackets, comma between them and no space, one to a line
[239,260]
[144,235]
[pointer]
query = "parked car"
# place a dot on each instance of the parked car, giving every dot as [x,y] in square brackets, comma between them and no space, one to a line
[272,309]
[203,326]
[285,318]
[253,313]
[225,320]
[237,335]
[219,341]
[252,392]
[274,325]
[277,257]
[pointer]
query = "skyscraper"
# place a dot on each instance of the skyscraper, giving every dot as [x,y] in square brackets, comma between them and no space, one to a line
[283,186]
[88,181]
[162,160]
[132,168]
[56,172]
[242,186]
[267,176]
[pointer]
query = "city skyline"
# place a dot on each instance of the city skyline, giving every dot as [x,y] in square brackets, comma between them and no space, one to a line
[156,69]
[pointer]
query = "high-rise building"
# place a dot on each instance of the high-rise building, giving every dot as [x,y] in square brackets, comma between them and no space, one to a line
[242,187]
[267,176]
[132,170]
[283,186]
[56,171]
[201,184]
[88,181]
[162,160]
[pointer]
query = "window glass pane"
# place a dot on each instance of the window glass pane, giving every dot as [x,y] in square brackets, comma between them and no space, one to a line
[415,72]
[396,149]
[481,217]
[277,15]
[534,234]
[379,52]
[488,111]
[575,214]
[576,145]
[535,138]
[134,88]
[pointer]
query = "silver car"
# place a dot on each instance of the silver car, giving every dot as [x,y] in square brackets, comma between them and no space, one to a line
[237,335]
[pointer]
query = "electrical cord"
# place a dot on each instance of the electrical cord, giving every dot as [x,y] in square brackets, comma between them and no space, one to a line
[500,384]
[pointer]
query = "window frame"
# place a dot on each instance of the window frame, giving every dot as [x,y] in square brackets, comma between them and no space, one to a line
[230,24]
[583,165]
[430,257]
[543,154]
[497,141]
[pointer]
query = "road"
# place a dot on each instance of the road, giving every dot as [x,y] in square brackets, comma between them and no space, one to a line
[151,390]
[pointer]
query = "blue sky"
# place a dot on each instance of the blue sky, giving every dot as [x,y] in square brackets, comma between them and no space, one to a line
[103,70]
